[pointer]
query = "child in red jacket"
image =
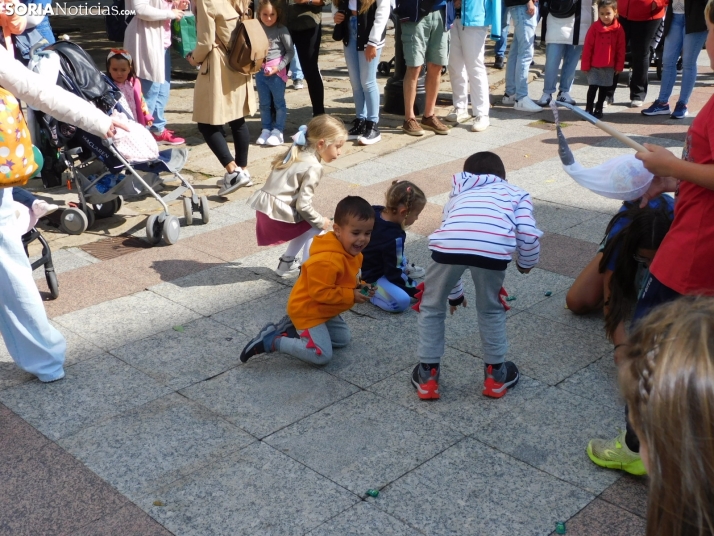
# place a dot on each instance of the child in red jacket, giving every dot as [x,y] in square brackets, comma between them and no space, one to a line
[603,54]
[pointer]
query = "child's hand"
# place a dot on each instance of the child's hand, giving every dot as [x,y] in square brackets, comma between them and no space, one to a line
[454,308]
[270,71]
[326,224]
[523,270]
[658,160]
[362,298]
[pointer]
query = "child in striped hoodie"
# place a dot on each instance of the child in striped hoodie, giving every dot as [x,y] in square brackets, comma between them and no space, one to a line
[484,222]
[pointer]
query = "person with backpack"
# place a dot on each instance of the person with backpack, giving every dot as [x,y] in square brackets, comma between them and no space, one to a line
[148,41]
[33,343]
[568,24]
[221,94]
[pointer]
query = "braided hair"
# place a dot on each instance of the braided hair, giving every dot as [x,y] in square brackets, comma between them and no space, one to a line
[404,194]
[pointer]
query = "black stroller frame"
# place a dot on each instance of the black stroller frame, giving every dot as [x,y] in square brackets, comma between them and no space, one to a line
[44,260]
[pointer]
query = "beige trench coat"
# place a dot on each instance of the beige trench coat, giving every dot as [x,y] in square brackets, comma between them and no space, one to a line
[221,94]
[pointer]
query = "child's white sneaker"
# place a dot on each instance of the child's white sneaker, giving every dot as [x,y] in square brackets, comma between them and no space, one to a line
[456,115]
[287,266]
[275,139]
[264,135]
[42,208]
[415,272]
[481,123]
[526,104]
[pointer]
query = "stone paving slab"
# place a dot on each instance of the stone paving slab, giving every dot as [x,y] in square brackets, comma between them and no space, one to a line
[472,489]
[363,519]
[153,445]
[257,489]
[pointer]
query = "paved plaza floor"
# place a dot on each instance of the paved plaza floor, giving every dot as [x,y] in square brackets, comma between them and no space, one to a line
[159,429]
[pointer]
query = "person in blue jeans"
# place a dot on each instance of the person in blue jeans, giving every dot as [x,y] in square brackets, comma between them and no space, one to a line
[271,79]
[685,34]
[502,42]
[296,71]
[525,18]
[564,39]
[365,29]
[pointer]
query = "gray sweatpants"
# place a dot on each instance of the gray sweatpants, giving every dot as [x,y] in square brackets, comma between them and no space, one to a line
[440,279]
[316,346]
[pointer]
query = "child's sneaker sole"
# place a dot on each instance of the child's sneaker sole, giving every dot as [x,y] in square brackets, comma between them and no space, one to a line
[426,391]
[494,389]
[251,349]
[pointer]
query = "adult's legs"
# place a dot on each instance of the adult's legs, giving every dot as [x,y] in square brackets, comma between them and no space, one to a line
[353,69]
[491,314]
[390,297]
[512,57]
[641,35]
[474,44]
[554,53]
[502,42]
[34,345]
[570,65]
[295,68]
[156,95]
[691,49]
[670,56]
[241,141]
[307,44]
[525,26]
[440,279]
[370,89]
[457,68]
[216,140]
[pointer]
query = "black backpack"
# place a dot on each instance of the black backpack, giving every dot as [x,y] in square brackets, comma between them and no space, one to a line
[562,9]
[117,22]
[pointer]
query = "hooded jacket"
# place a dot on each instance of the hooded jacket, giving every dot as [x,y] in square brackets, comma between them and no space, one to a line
[604,47]
[326,284]
[384,255]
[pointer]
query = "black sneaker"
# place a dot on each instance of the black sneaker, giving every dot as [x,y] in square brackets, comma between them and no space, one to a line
[498,63]
[371,134]
[262,343]
[498,380]
[426,381]
[357,130]
[597,114]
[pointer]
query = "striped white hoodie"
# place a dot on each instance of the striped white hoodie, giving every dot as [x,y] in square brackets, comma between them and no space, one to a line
[486,216]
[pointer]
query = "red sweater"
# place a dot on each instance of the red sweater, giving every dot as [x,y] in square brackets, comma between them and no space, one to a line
[641,10]
[604,47]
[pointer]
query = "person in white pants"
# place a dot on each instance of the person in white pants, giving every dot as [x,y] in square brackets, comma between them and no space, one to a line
[33,343]
[466,59]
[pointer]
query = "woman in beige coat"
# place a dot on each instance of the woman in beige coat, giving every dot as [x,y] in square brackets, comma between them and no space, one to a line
[222,95]
[148,40]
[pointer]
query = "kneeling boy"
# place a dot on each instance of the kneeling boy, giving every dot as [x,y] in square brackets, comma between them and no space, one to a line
[484,222]
[329,284]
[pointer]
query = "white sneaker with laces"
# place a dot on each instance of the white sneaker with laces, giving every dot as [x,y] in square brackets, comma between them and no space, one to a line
[42,208]
[264,135]
[235,180]
[544,100]
[565,97]
[508,100]
[481,123]
[287,266]
[297,84]
[275,139]
[526,104]
[456,115]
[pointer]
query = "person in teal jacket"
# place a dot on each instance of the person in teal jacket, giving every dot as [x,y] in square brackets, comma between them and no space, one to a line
[466,59]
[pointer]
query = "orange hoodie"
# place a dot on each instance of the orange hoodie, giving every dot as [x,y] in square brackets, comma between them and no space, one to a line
[326,284]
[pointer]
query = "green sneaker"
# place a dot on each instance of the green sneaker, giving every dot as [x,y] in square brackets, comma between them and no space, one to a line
[614,454]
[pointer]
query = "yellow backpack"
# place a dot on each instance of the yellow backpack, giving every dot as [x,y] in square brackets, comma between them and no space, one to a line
[17,160]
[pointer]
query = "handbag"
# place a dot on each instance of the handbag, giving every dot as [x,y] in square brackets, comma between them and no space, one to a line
[17,159]
[249,46]
[183,34]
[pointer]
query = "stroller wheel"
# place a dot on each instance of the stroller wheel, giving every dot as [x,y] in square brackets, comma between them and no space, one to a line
[74,221]
[153,229]
[119,201]
[91,218]
[188,210]
[203,202]
[108,209]
[171,230]
[52,283]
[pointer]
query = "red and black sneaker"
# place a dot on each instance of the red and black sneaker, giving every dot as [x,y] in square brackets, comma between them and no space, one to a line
[499,378]
[426,381]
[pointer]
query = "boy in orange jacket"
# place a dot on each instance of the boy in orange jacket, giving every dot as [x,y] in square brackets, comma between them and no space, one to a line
[329,284]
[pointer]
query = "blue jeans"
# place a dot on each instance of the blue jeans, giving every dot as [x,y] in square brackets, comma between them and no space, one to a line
[502,43]
[390,297]
[363,77]
[271,87]
[689,45]
[34,345]
[521,52]
[295,68]
[156,95]
[554,54]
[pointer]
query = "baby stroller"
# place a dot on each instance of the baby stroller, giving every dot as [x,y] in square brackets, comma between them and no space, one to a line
[94,166]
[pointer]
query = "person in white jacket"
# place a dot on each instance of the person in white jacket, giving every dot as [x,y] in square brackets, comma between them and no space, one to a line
[34,345]
[564,39]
